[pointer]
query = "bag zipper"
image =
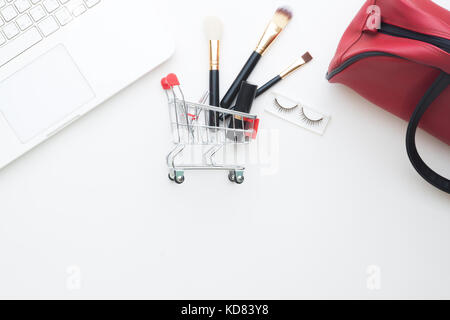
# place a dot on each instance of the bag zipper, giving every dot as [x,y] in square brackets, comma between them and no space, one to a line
[355,59]
[441,43]
[388,29]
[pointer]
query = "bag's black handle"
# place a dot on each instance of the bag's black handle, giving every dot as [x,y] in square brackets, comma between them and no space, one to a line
[425,171]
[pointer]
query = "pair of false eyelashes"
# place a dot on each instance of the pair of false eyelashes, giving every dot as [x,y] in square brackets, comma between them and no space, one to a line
[310,122]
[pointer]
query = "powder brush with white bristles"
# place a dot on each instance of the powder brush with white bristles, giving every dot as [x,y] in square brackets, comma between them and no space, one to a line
[280,20]
[213,31]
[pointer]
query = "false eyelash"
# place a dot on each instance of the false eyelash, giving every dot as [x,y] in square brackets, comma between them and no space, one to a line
[308,121]
[283,109]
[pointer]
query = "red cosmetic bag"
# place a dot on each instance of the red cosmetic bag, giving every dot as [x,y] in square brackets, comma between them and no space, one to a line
[396,54]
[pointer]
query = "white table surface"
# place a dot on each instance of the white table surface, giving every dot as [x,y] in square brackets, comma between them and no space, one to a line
[91,213]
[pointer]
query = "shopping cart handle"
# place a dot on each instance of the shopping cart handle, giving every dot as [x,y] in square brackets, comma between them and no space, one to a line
[255,127]
[172,79]
[165,85]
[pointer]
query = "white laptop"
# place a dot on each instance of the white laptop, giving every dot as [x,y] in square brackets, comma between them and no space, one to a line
[60,59]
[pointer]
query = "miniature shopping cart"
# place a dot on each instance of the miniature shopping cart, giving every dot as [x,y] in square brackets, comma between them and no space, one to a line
[199,125]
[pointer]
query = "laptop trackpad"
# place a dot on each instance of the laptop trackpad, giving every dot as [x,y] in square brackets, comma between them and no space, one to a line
[43,94]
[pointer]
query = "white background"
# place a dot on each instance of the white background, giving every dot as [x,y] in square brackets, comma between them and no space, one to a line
[91,213]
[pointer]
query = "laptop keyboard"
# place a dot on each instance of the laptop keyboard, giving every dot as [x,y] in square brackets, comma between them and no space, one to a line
[24,23]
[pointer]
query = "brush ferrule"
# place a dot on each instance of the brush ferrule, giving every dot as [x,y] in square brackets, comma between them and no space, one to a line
[294,67]
[269,36]
[214,54]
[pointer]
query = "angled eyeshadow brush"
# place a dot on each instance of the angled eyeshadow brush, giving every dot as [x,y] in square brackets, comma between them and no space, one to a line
[300,62]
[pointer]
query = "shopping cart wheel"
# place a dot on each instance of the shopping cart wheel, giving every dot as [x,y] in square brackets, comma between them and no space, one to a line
[171,177]
[237,176]
[240,179]
[179,177]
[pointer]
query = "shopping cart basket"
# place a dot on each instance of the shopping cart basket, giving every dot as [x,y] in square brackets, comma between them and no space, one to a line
[191,126]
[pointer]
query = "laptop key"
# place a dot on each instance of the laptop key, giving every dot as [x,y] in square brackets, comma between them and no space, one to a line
[48,26]
[91,3]
[11,30]
[9,13]
[51,5]
[37,13]
[24,22]
[63,16]
[78,11]
[22,43]
[22,5]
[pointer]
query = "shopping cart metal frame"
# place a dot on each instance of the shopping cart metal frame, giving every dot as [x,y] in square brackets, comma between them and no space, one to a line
[191,126]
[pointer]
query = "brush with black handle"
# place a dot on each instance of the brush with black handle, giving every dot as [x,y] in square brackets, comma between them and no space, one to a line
[300,62]
[214,30]
[279,21]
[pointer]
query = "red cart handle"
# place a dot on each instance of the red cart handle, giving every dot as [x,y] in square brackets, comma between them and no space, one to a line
[172,79]
[165,85]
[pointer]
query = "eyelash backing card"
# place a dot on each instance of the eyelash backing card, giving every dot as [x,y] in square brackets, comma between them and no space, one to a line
[297,113]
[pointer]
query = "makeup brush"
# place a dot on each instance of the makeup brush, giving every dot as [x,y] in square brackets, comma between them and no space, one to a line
[213,30]
[279,21]
[283,75]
